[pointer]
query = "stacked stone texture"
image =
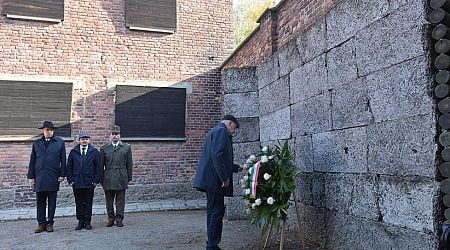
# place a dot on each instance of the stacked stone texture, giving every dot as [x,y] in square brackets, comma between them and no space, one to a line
[92,48]
[352,93]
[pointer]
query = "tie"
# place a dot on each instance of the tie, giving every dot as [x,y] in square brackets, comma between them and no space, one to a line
[83,153]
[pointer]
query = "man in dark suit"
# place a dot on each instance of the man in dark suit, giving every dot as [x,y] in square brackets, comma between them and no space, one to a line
[215,175]
[47,169]
[83,174]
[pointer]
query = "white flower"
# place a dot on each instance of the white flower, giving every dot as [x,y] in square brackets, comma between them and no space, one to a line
[264,158]
[252,158]
[271,157]
[258,202]
[253,205]
[248,161]
[267,176]
[243,184]
[270,200]
[264,149]
[248,210]
[247,191]
[245,178]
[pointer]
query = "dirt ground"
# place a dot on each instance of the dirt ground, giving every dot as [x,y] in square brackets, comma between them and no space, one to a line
[149,230]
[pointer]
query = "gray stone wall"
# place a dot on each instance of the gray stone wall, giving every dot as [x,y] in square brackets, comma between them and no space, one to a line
[352,93]
[241,100]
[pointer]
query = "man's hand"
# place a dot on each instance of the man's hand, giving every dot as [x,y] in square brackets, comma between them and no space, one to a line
[31,182]
[226,183]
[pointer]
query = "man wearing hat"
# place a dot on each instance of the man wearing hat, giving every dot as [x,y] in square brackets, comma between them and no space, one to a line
[117,165]
[47,169]
[83,174]
[215,175]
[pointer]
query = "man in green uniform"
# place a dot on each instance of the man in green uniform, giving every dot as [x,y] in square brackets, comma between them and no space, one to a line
[117,165]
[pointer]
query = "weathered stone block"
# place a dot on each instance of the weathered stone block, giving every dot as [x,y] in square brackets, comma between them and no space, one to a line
[310,189]
[408,201]
[311,116]
[309,80]
[354,16]
[341,151]
[312,43]
[143,193]
[276,125]
[248,130]
[303,185]
[243,150]
[240,80]
[268,71]
[395,39]
[341,64]
[289,58]
[274,96]
[400,91]
[394,5]
[404,147]
[235,209]
[349,232]
[312,227]
[7,198]
[351,106]
[303,149]
[242,104]
[353,194]
[66,197]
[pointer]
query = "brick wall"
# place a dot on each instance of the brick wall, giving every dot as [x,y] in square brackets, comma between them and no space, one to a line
[93,48]
[277,27]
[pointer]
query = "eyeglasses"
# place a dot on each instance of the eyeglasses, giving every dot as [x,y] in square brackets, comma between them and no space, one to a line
[115,133]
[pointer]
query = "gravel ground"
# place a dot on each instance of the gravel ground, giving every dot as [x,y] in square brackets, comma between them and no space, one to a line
[146,230]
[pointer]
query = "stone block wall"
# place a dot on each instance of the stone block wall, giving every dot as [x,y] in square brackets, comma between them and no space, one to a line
[352,93]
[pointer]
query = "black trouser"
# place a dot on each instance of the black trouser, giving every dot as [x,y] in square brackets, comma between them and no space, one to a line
[83,202]
[41,203]
[119,197]
[214,218]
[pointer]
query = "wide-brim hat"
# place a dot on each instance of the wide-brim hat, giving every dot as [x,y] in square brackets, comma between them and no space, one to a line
[231,118]
[48,124]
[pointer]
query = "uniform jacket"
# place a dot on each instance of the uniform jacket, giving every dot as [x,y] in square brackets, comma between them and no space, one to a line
[47,164]
[83,171]
[216,162]
[116,165]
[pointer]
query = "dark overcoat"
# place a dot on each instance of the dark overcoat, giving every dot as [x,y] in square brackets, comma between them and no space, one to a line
[47,164]
[117,166]
[216,162]
[83,171]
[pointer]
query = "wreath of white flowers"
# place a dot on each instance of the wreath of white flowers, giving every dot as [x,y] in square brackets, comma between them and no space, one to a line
[268,185]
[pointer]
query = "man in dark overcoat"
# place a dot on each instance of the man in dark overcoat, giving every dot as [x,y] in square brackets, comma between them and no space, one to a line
[215,175]
[116,162]
[47,168]
[83,174]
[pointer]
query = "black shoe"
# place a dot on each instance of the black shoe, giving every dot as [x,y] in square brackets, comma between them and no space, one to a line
[88,227]
[79,226]
[119,223]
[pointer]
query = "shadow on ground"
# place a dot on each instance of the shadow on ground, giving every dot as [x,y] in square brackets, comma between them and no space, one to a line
[147,230]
